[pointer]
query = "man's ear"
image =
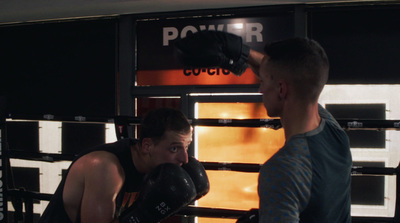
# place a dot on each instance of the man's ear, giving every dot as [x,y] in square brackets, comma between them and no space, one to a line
[147,144]
[283,89]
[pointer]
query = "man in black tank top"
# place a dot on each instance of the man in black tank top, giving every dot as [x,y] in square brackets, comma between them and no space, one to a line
[104,181]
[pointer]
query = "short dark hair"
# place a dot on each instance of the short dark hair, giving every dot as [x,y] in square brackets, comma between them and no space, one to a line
[305,61]
[156,122]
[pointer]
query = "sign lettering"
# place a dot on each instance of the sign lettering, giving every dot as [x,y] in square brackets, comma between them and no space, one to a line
[250,31]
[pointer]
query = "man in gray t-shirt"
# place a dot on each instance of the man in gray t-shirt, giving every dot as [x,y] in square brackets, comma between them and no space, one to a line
[309,179]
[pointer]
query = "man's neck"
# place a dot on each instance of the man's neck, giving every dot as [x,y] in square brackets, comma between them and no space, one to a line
[138,160]
[299,119]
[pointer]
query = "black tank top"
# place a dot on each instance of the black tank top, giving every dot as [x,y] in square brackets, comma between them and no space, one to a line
[55,212]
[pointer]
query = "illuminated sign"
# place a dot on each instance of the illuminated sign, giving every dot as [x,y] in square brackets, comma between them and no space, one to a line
[157,65]
[250,30]
[211,76]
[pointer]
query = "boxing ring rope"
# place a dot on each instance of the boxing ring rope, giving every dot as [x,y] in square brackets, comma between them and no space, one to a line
[44,157]
[346,124]
[227,166]
[20,196]
[63,118]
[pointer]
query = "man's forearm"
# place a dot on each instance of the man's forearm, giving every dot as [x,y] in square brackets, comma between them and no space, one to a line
[254,61]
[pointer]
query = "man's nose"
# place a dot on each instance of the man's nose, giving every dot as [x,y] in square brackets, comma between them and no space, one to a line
[183,157]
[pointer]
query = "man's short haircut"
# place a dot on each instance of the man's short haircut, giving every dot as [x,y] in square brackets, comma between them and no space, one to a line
[156,122]
[305,63]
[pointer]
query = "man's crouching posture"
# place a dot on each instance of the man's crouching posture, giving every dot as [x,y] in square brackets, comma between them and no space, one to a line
[132,181]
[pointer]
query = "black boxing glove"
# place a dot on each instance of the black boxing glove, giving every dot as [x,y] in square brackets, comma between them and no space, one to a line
[198,175]
[213,49]
[166,190]
[249,217]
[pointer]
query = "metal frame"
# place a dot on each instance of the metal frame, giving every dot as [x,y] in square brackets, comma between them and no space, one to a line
[4,161]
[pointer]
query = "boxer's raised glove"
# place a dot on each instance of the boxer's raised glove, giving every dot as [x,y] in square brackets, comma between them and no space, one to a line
[166,190]
[249,217]
[198,175]
[213,49]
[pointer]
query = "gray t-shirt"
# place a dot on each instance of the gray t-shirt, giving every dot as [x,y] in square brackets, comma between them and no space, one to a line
[309,179]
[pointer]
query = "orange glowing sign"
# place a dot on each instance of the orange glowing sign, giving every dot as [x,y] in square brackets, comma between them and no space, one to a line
[195,76]
[232,189]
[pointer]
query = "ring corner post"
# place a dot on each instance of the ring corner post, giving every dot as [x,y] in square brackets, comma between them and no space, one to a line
[3,161]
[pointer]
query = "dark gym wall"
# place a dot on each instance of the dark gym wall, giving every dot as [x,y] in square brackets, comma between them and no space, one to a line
[70,67]
[59,68]
[362,42]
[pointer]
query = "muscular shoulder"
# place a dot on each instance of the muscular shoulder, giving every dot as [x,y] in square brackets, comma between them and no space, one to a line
[100,164]
[100,156]
[94,175]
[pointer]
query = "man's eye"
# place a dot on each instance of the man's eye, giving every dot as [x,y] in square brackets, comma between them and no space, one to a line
[174,149]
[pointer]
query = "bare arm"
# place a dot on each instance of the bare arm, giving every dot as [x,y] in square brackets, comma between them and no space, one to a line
[103,180]
[254,61]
